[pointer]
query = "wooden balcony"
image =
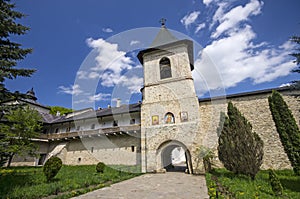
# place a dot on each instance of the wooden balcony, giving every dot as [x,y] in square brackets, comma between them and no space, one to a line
[111,131]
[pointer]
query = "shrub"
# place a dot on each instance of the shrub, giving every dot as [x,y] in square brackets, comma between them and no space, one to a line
[52,167]
[275,183]
[240,149]
[100,167]
[287,129]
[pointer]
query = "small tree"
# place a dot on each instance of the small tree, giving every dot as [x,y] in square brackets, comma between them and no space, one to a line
[52,167]
[22,124]
[240,149]
[287,129]
[275,183]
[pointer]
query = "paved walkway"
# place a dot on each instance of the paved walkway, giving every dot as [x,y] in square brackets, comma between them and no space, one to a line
[171,185]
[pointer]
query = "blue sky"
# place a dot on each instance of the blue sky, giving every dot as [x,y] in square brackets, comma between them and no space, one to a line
[74,42]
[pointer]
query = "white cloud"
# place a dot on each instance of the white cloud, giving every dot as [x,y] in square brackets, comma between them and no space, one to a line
[82,74]
[99,97]
[108,30]
[112,66]
[235,58]
[109,57]
[134,42]
[207,2]
[190,18]
[72,90]
[232,18]
[286,84]
[200,27]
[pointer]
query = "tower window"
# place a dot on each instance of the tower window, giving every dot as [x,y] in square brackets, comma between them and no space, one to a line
[165,68]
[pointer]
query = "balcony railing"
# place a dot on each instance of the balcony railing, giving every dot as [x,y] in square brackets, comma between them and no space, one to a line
[117,130]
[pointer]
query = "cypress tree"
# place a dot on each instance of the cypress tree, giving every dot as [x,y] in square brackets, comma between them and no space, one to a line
[287,129]
[240,149]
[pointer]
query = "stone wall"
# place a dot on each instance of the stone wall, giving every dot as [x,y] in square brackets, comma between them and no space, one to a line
[113,149]
[255,108]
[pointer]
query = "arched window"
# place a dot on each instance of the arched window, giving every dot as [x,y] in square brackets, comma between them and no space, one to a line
[169,118]
[165,68]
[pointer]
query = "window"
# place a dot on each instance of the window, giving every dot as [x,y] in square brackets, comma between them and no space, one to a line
[132,121]
[93,126]
[115,123]
[56,130]
[68,129]
[169,118]
[78,128]
[165,68]
[132,148]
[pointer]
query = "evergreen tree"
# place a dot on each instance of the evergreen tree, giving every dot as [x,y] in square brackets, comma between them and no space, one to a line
[287,129]
[10,52]
[240,149]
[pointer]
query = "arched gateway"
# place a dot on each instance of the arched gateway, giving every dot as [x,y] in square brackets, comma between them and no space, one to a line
[168,159]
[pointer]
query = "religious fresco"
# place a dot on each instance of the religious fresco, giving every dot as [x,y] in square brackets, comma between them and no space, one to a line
[184,116]
[155,120]
[169,118]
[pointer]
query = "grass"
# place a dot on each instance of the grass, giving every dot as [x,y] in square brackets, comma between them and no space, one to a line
[30,182]
[240,186]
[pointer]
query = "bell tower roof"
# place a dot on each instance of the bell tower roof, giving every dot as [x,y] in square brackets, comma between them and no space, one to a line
[165,39]
[164,36]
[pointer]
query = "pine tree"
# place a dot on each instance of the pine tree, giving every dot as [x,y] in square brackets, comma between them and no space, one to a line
[287,129]
[11,52]
[240,149]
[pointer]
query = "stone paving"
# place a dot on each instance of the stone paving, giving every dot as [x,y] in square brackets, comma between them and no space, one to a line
[171,185]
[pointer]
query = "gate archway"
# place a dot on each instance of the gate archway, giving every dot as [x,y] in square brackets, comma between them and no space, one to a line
[173,155]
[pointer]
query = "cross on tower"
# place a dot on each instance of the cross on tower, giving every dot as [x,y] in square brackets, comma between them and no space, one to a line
[162,21]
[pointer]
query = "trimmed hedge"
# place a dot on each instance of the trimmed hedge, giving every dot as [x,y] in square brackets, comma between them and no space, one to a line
[287,129]
[100,167]
[52,167]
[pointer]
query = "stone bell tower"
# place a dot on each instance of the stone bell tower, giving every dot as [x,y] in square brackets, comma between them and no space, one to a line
[170,108]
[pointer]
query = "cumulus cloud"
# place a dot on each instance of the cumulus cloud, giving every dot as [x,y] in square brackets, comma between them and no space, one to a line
[235,58]
[189,19]
[232,18]
[111,67]
[107,30]
[72,90]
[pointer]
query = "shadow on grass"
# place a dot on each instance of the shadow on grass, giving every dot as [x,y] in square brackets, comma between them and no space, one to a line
[9,182]
[227,174]
[291,184]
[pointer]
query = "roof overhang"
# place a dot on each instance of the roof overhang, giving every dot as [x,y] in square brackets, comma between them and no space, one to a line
[187,42]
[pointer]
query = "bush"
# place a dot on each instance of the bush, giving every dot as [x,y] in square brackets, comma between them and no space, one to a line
[100,167]
[240,149]
[275,183]
[52,167]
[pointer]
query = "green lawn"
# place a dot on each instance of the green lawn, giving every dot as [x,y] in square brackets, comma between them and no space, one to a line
[30,182]
[239,186]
